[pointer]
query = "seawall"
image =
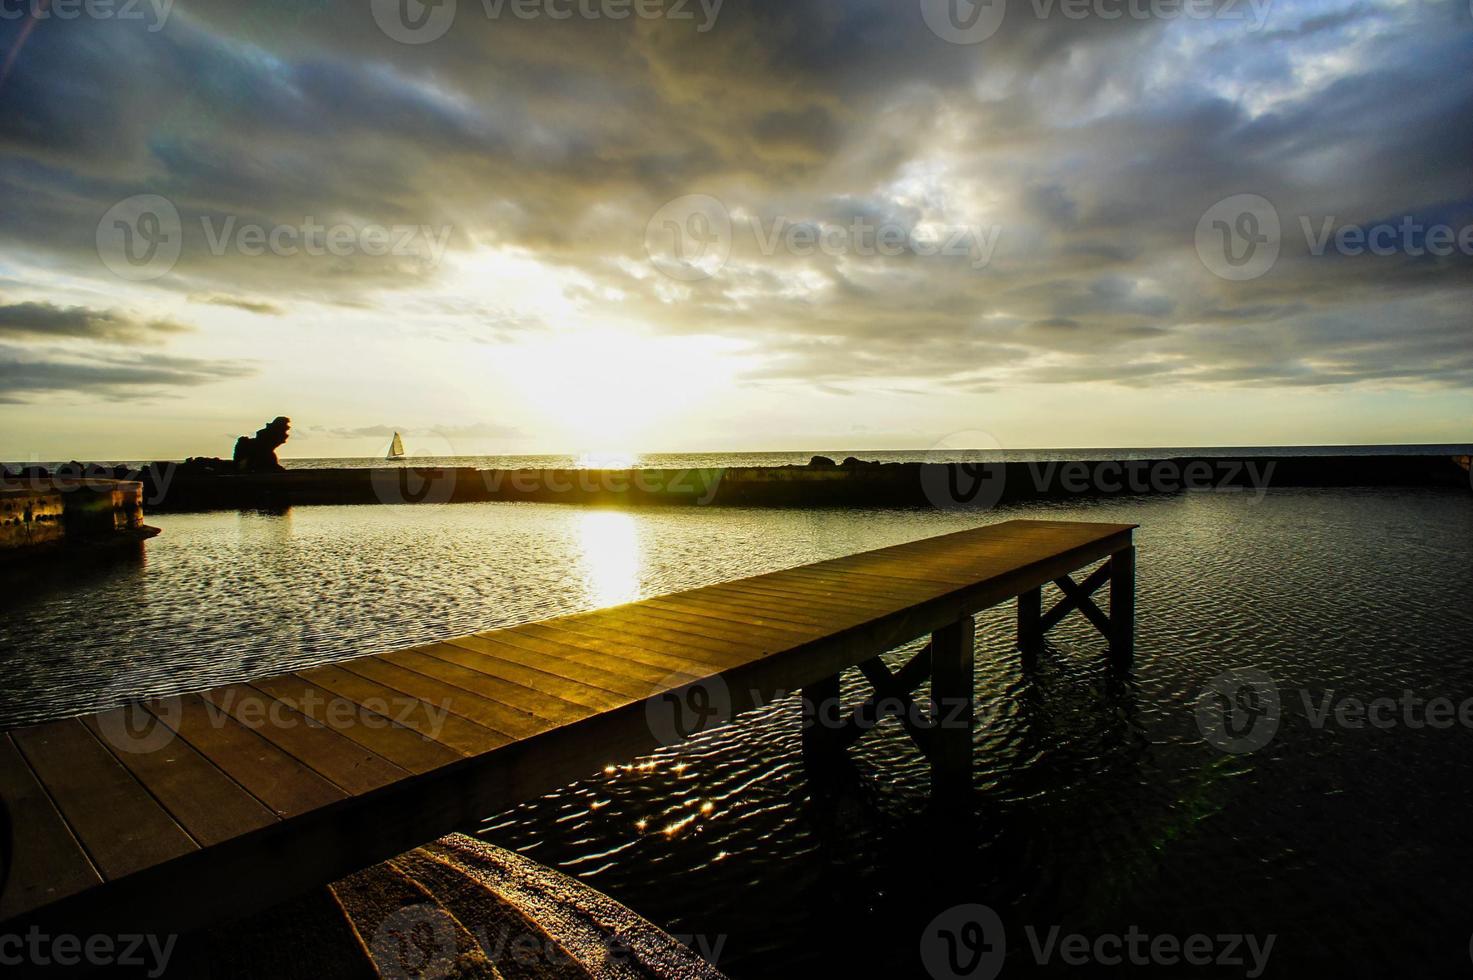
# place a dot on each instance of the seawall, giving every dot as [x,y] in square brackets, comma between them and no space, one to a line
[173,487]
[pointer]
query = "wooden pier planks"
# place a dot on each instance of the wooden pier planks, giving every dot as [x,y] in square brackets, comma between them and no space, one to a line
[292,781]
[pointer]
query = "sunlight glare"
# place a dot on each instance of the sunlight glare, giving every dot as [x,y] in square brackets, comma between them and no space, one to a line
[609,556]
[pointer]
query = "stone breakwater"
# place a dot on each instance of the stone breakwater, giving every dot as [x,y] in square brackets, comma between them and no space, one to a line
[175,487]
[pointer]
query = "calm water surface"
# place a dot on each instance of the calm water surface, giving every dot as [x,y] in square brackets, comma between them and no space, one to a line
[1099,805]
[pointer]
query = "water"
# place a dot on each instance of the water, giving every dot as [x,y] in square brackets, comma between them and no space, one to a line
[1099,805]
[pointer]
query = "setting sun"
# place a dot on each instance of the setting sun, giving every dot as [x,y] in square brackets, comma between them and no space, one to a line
[605,391]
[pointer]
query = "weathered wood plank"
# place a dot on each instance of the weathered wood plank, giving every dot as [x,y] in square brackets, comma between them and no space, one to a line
[629,660]
[542,691]
[336,758]
[378,732]
[208,804]
[46,861]
[278,780]
[131,831]
[482,710]
[431,719]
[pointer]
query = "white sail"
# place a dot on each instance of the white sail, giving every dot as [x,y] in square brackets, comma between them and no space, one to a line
[396,448]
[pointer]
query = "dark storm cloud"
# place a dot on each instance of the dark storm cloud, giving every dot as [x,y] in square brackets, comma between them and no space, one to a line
[1092,147]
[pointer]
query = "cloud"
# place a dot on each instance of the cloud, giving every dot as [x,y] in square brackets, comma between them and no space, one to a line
[49,321]
[261,307]
[1091,146]
[472,430]
[26,374]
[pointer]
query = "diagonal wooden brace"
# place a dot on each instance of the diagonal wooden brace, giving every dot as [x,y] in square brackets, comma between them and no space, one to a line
[1118,627]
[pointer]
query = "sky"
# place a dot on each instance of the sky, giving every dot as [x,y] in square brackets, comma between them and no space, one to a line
[601,226]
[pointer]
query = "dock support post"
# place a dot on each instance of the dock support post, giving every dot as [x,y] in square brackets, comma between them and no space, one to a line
[821,717]
[1122,606]
[952,707]
[1030,621]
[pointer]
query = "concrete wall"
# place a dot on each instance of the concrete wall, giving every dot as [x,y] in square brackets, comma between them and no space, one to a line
[40,513]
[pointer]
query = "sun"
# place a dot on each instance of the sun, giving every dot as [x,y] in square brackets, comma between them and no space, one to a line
[609,391]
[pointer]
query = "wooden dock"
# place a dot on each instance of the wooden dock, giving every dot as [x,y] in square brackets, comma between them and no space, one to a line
[177,812]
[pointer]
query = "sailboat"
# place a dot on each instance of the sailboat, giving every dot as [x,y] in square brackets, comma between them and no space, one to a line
[396,448]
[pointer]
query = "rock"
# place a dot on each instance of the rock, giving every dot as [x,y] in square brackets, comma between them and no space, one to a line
[821,461]
[856,461]
[206,465]
[258,454]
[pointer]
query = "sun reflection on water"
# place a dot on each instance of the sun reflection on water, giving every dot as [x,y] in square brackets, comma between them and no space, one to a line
[609,556]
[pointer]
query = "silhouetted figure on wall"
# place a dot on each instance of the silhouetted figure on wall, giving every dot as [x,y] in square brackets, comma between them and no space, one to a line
[258,455]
